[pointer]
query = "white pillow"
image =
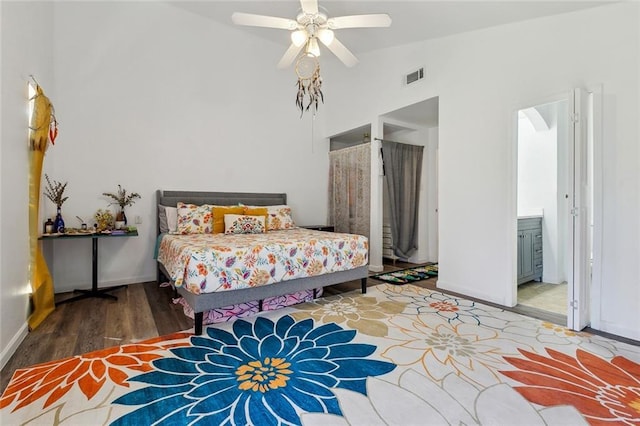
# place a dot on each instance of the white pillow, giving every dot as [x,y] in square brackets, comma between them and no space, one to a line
[172,219]
[243,224]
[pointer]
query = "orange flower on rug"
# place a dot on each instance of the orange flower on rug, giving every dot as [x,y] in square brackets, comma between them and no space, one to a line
[603,391]
[89,371]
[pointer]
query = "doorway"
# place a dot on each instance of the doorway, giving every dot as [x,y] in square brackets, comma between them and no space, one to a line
[416,124]
[555,208]
[542,190]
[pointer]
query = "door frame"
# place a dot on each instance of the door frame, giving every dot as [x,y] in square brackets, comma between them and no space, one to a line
[597,91]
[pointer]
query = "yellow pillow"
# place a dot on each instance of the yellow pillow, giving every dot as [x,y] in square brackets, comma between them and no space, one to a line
[218,216]
[256,211]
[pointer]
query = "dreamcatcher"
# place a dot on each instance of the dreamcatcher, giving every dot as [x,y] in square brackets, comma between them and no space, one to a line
[309,83]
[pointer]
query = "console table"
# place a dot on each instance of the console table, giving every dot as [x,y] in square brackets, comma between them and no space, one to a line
[94,291]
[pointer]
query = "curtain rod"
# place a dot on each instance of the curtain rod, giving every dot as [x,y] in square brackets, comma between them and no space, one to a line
[387,140]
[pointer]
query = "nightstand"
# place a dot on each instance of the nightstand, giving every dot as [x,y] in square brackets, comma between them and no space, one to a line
[326,228]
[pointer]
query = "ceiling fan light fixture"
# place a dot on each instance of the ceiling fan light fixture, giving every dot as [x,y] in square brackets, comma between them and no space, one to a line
[312,47]
[326,36]
[299,37]
[311,27]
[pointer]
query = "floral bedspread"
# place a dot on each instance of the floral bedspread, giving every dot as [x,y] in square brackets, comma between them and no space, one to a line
[204,263]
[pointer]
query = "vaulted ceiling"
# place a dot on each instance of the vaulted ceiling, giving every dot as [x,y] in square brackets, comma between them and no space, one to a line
[412,20]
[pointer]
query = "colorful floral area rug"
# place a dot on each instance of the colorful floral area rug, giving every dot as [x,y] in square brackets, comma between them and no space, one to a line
[406,276]
[396,356]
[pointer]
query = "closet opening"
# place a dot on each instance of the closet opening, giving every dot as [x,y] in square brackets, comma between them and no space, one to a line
[414,125]
[349,199]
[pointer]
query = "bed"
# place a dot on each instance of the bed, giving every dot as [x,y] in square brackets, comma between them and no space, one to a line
[215,293]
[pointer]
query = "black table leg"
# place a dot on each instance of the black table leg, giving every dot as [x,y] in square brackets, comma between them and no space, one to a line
[198,321]
[95,291]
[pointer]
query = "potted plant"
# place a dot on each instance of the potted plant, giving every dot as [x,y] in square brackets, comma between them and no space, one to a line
[55,192]
[122,199]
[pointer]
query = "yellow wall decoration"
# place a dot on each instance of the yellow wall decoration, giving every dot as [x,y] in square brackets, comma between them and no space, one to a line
[42,129]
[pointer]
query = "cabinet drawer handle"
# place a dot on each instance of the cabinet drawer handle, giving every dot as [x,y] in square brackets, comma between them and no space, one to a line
[539,251]
[539,236]
[538,266]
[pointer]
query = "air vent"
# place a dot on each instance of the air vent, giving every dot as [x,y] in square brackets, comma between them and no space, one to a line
[412,77]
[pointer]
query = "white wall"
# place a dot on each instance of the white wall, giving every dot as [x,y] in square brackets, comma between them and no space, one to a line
[481,79]
[25,48]
[150,96]
[537,168]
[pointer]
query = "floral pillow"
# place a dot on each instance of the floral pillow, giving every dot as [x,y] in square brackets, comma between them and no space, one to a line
[194,219]
[279,217]
[219,212]
[241,224]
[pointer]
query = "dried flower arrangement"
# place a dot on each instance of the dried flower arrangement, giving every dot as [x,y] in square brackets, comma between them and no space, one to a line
[104,220]
[55,191]
[122,199]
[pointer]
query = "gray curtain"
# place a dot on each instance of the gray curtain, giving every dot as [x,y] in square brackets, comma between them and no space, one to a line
[403,169]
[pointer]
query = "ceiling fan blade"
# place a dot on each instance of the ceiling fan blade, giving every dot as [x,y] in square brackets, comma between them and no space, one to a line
[289,55]
[251,20]
[342,52]
[309,6]
[360,21]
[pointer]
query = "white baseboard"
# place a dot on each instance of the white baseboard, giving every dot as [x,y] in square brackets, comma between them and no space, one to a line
[419,261]
[553,279]
[376,268]
[468,292]
[106,283]
[616,329]
[12,347]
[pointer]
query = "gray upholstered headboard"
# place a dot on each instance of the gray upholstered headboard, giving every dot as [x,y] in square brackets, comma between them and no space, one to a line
[171,198]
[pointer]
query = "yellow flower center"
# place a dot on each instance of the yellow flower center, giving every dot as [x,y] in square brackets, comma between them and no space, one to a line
[558,329]
[261,376]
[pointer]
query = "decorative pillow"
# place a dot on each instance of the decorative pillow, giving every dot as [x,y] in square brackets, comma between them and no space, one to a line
[279,218]
[241,224]
[167,219]
[194,219]
[256,211]
[218,216]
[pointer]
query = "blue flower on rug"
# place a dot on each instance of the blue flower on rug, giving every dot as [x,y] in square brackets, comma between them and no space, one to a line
[262,373]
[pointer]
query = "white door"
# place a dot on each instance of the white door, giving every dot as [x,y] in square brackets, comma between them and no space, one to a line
[579,270]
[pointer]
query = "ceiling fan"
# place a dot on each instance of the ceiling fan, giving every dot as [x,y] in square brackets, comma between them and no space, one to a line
[312,25]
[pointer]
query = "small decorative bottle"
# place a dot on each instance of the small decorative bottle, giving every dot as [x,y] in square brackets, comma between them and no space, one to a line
[48,226]
[58,225]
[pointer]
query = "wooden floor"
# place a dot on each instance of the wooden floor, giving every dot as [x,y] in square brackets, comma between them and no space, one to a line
[142,311]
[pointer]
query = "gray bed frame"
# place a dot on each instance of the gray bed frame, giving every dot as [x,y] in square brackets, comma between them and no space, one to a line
[201,303]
